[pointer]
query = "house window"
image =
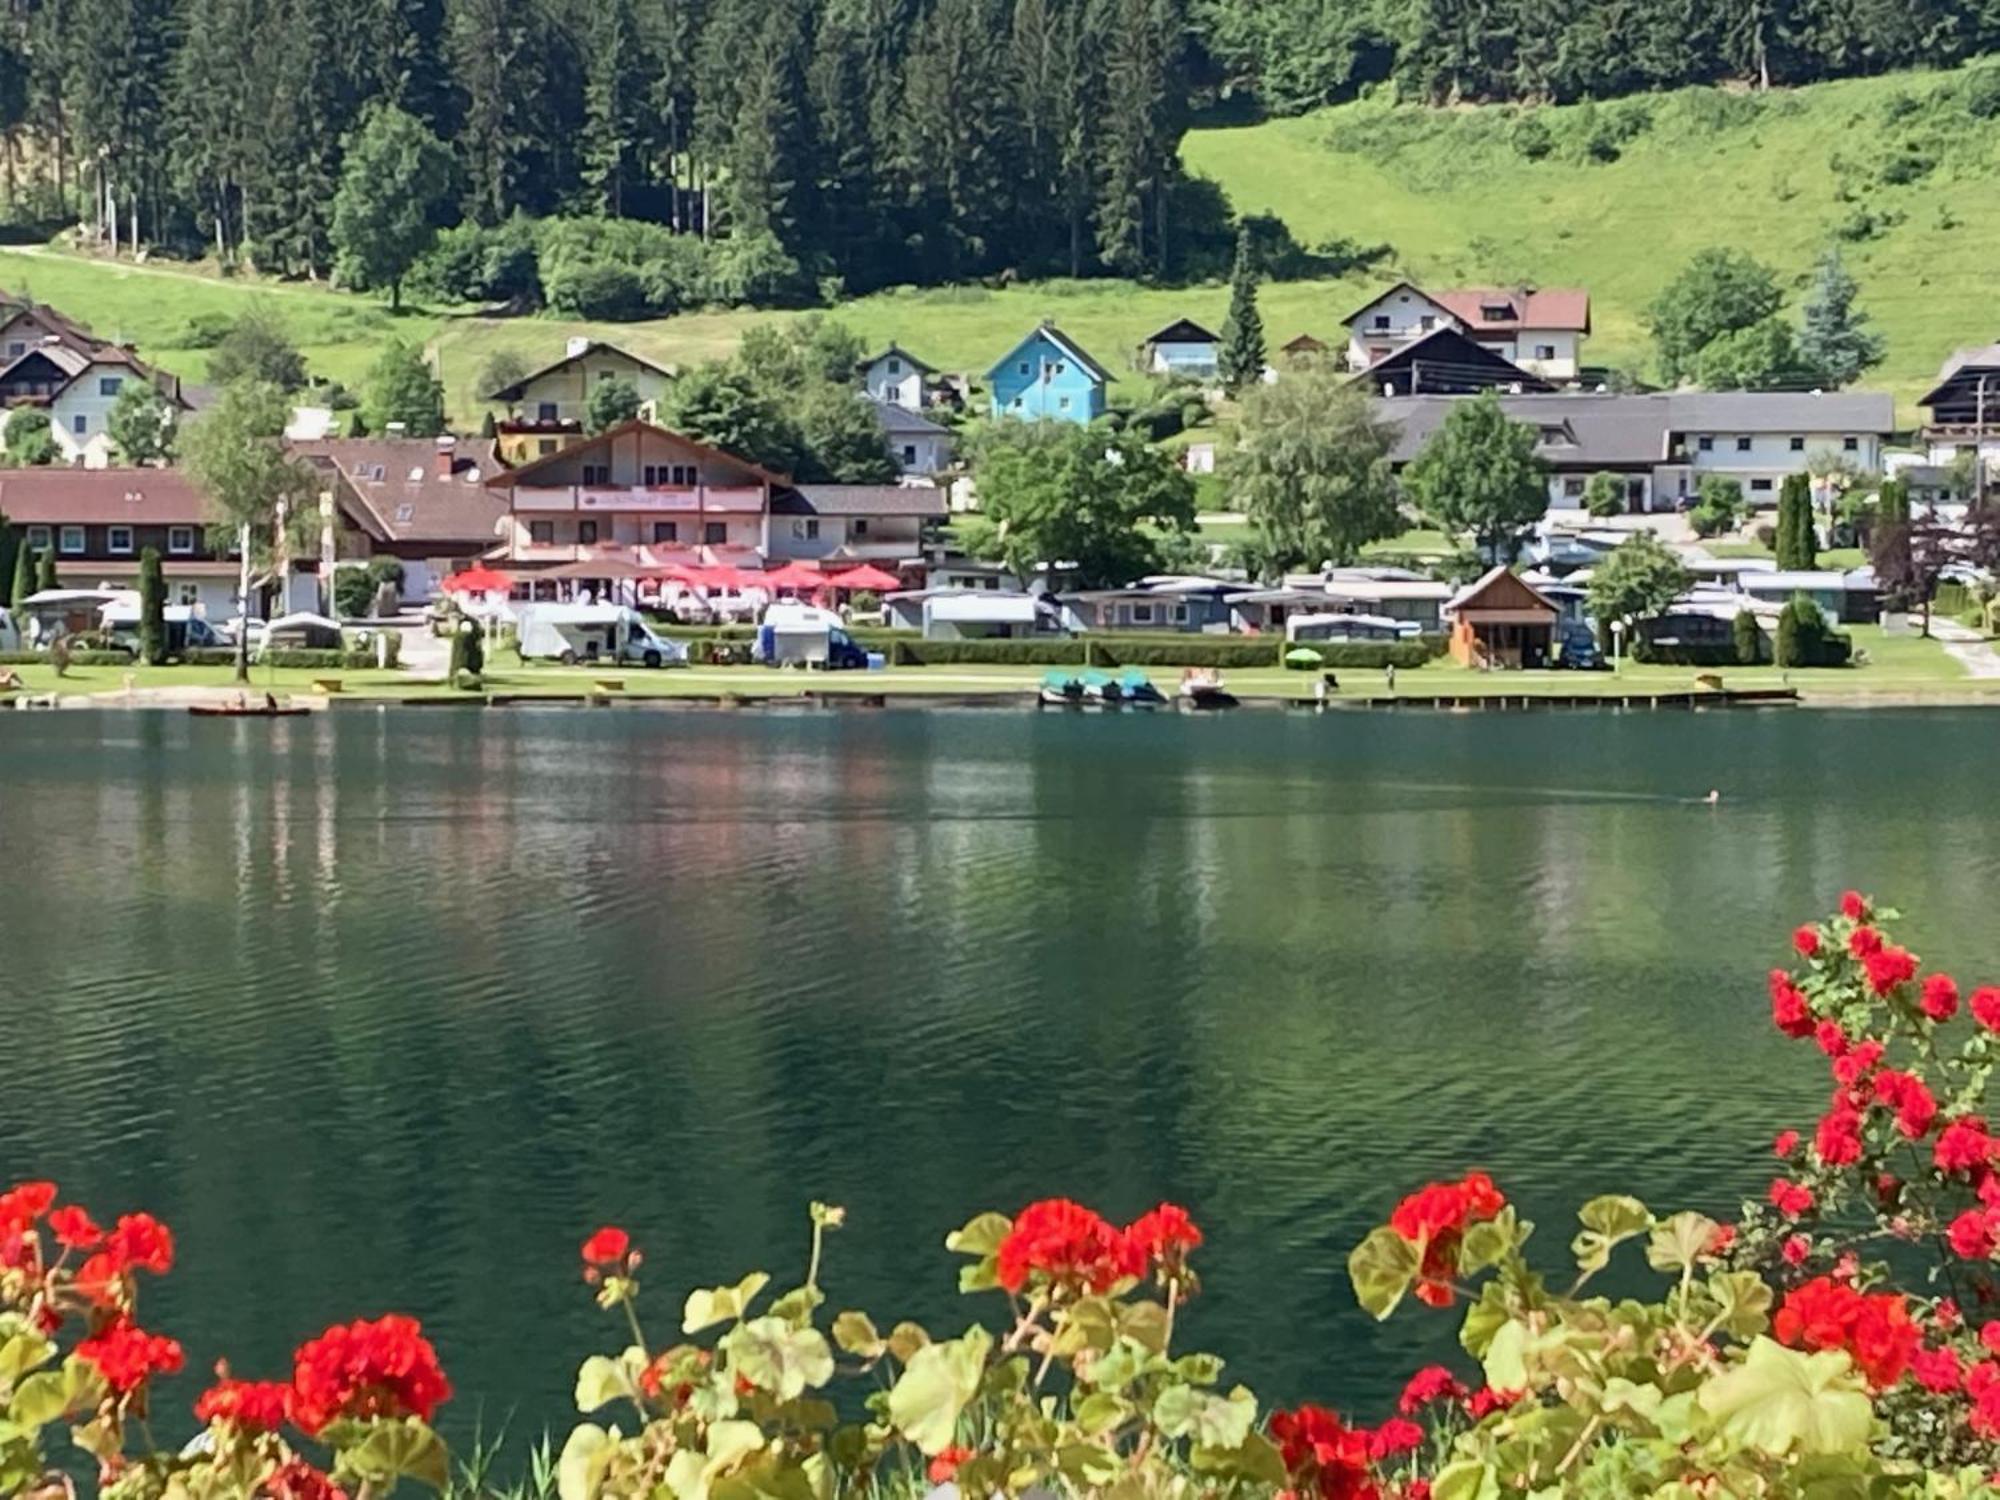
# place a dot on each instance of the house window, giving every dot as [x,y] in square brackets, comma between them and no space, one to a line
[72,539]
[1061,368]
[1851,444]
[1142,614]
[714,533]
[1706,444]
[190,595]
[1381,321]
[597,473]
[1743,445]
[861,528]
[109,385]
[895,367]
[180,540]
[684,475]
[80,423]
[1798,445]
[545,411]
[16,349]
[1062,403]
[542,533]
[586,533]
[666,531]
[38,538]
[1573,488]
[806,530]
[119,539]
[545,446]
[1760,486]
[1180,614]
[909,455]
[1026,368]
[1545,351]
[1427,322]
[1017,403]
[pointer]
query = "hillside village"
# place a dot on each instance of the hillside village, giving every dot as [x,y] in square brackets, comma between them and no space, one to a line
[580,487]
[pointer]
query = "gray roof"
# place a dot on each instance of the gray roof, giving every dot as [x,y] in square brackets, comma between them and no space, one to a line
[900,419]
[861,500]
[1588,428]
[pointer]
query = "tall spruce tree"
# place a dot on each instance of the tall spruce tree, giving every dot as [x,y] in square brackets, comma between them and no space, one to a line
[152,608]
[495,65]
[24,575]
[1242,354]
[1835,344]
[1797,544]
[613,96]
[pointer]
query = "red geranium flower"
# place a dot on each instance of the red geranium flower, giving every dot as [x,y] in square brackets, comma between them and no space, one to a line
[1435,1218]
[1795,1249]
[1853,905]
[1971,1234]
[1963,1146]
[1854,1068]
[1431,1383]
[1940,1000]
[1985,1006]
[141,1243]
[1832,1040]
[126,1355]
[254,1405]
[1076,1249]
[1790,1198]
[1837,1143]
[1397,1435]
[385,1368]
[1874,1328]
[1486,1400]
[944,1467]
[607,1247]
[1163,1235]
[1911,1098]
[1863,941]
[1889,967]
[1786,1143]
[1806,941]
[74,1228]
[1323,1455]
[299,1480]
[1937,1369]
[1789,1011]
[25,1202]
[1720,1240]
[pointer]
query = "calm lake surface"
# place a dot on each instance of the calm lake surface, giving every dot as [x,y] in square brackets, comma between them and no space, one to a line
[387,1010]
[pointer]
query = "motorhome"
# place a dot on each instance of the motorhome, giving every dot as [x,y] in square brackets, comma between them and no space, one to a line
[1347,628]
[793,634]
[571,633]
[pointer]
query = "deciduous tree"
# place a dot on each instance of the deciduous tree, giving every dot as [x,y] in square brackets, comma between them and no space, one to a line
[1641,578]
[403,388]
[1718,292]
[393,186]
[1480,473]
[141,423]
[611,402]
[1311,470]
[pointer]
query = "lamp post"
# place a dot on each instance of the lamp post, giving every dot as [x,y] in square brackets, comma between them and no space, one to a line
[1618,648]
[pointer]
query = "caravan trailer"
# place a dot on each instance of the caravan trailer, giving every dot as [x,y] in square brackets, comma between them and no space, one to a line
[572,633]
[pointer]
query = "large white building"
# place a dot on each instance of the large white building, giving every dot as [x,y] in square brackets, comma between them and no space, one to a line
[1660,445]
[1540,329]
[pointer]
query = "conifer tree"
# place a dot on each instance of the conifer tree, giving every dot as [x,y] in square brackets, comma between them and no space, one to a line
[1242,354]
[1797,544]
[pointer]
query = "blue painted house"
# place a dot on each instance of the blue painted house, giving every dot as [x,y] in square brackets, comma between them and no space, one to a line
[1048,377]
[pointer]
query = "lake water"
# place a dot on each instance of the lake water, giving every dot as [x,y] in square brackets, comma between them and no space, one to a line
[386,1010]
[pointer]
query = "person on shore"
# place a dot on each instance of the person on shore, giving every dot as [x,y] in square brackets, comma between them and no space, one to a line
[1389,675]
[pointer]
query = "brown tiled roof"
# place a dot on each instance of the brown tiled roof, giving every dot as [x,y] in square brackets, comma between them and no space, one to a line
[86,497]
[1532,307]
[398,494]
[72,333]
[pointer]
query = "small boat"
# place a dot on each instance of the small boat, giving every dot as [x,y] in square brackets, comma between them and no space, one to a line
[1060,690]
[1102,689]
[1203,689]
[246,711]
[1138,690]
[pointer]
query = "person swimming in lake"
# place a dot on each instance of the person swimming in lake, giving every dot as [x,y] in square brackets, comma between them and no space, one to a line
[1713,798]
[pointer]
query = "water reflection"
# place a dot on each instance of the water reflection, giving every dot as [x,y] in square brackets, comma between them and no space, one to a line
[386,1010]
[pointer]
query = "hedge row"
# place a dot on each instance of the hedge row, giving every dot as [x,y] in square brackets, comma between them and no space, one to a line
[1162,650]
[1687,654]
[76,658]
[874,639]
[322,660]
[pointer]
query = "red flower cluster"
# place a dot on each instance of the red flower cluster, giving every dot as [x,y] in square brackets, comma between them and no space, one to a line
[1853,906]
[1325,1457]
[1790,1198]
[1789,1011]
[1079,1250]
[299,1480]
[1805,941]
[1985,1006]
[1940,1000]
[1910,1097]
[1974,1233]
[607,1247]
[255,1405]
[386,1368]
[944,1468]
[1874,1328]
[1431,1384]
[1435,1218]
[127,1356]
[1964,1146]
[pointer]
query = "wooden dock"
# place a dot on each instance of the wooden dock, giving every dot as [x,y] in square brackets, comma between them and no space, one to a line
[1693,698]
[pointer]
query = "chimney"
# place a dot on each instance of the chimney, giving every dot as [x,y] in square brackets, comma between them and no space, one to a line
[447,453]
[576,346]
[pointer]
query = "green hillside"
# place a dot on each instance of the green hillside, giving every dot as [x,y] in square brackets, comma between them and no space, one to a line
[1902,172]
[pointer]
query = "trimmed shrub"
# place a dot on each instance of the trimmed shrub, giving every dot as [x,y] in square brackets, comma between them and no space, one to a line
[1748,637]
[1806,640]
[1683,653]
[1053,651]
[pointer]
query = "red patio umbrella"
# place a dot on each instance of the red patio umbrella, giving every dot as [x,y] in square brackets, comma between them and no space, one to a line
[479,580]
[867,576]
[791,576]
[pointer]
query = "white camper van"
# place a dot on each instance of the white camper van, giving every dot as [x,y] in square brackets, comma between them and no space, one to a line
[571,633]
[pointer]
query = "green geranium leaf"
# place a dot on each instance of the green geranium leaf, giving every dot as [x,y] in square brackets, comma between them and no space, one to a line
[1099,1412]
[1678,1242]
[1255,1460]
[1784,1400]
[1146,1323]
[905,1339]
[855,1333]
[1505,1361]
[940,1379]
[40,1400]
[392,1450]
[25,1351]
[1607,1223]
[1382,1268]
[714,1400]
[1466,1479]
[709,1306]
[774,1356]
[585,1457]
[1198,1369]
[600,1381]
[797,1305]
[981,1237]
[1744,1301]
[1212,1421]
[1486,1316]
[1122,1364]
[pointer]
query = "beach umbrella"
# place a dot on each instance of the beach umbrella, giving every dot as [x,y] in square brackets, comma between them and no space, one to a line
[1303,656]
[478,580]
[791,576]
[867,576]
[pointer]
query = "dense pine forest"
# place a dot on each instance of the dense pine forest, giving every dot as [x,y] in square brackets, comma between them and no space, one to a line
[787,150]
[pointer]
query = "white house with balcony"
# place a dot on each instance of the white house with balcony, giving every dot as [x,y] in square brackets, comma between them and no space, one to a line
[548,409]
[635,494]
[1539,329]
[855,523]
